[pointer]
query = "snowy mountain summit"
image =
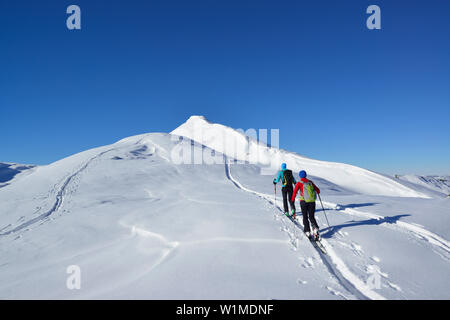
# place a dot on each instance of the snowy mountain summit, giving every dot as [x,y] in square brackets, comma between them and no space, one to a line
[236,145]
[139,223]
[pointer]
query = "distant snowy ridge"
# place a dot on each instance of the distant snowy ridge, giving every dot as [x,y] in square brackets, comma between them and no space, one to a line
[439,184]
[8,171]
[235,144]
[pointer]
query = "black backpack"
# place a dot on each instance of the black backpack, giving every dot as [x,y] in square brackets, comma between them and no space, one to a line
[288,178]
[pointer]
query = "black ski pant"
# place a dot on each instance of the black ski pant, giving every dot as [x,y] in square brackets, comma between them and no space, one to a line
[287,196]
[308,211]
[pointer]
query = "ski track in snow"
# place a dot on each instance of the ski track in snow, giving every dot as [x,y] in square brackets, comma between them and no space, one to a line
[59,198]
[415,229]
[174,244]
[169,246]
[351,282]
[336,265]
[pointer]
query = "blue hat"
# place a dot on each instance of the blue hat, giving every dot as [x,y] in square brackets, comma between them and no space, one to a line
[302,174]
[283,166]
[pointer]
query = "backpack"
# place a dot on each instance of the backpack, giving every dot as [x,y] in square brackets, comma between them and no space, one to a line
[309,193]
[288,178]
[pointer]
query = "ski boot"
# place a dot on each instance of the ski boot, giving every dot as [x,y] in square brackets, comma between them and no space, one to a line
[316,235]
[293,214]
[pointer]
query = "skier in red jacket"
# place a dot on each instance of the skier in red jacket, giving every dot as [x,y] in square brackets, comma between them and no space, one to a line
[308,191]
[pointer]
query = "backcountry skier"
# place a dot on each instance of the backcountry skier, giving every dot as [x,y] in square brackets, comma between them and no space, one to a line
[287,182]
[308,192]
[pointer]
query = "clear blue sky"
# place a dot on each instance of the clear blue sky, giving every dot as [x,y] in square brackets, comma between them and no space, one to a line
[377,99]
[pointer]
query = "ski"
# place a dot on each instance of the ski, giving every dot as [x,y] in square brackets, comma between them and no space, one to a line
[316,243]
[319,245]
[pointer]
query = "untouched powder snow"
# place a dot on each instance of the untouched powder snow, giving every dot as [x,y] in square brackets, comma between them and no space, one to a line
[236,145]
[141,226]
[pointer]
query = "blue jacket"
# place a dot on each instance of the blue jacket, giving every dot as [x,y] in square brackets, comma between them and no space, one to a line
[280,176]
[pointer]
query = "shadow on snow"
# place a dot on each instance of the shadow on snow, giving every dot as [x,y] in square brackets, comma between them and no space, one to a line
[330,231]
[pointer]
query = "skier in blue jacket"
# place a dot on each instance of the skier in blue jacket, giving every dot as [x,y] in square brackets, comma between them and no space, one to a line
[287,182]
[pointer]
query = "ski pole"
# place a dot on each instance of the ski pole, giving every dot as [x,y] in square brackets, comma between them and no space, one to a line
[275,200]
[324,211]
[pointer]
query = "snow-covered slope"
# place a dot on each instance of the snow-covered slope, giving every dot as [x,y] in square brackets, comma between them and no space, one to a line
[438,184]
[141,226]
[9,171]
[236,145]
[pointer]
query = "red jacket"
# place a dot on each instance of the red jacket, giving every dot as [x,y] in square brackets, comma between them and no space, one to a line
[299,185]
